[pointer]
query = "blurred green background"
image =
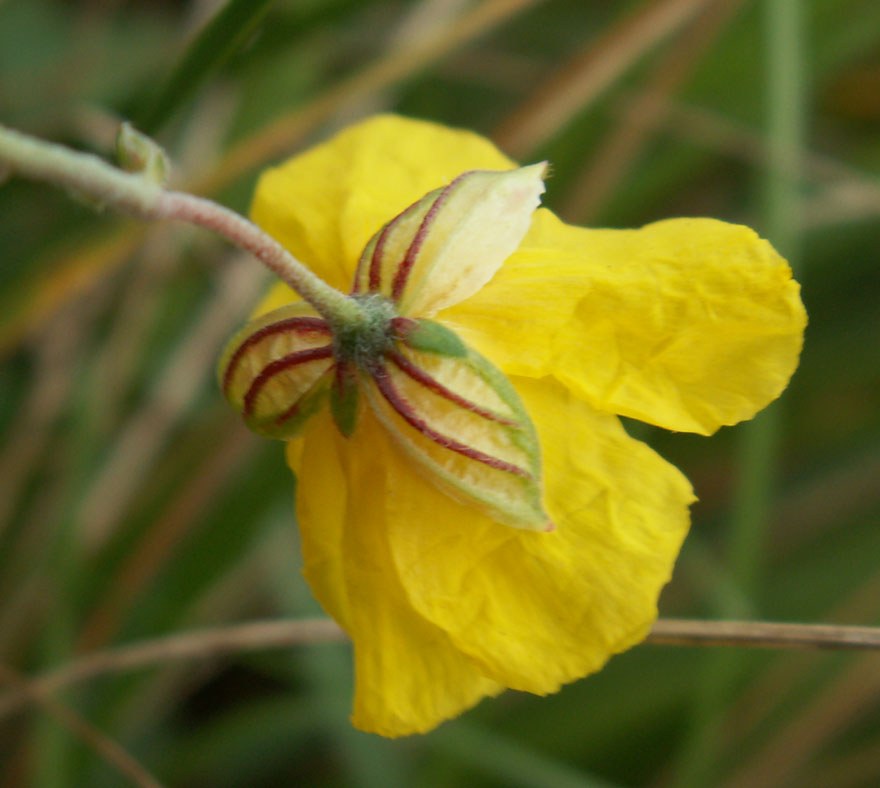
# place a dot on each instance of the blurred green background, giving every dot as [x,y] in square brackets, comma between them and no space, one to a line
[134,505]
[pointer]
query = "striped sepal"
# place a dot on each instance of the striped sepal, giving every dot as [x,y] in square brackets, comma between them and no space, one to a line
[447,245]
[277,370]
[460,419]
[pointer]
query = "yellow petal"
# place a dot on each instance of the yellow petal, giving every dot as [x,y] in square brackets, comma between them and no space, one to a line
[408,675]
[325,204]
[540,609]
[689,324]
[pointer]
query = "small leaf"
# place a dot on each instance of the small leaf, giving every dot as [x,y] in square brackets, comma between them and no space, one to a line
[139,153]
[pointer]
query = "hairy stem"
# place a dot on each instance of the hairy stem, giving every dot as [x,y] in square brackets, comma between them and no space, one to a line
[134,194]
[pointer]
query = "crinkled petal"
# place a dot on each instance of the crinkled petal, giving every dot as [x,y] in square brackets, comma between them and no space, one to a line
[540,609]
[409,677]
[689,324]
[324,204]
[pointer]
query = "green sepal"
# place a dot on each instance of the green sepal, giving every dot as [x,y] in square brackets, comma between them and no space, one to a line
[344,398]
[432,337]
[307,406]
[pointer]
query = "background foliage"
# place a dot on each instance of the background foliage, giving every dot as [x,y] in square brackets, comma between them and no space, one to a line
[133,505]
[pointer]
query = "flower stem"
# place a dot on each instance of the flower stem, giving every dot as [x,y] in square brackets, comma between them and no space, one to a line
[134,194]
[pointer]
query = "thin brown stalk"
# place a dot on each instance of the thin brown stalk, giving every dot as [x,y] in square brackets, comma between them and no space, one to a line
[98,741]
[204,644]
[261,635]
[580,81]
[611,160]
[763,634]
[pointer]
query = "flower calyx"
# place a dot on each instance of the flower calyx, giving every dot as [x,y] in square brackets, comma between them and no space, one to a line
[453,412]
[448,408]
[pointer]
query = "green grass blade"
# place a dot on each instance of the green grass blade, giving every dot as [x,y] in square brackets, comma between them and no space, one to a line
[226,32]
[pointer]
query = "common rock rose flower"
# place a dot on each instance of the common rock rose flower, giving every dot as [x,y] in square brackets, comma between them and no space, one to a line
[472,511]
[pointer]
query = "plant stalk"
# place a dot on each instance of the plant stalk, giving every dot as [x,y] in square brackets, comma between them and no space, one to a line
[138,196]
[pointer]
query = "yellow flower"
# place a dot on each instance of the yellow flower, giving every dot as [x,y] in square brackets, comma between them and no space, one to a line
[689,324]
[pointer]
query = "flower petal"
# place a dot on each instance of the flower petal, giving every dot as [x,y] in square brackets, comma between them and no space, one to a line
[326,203]
[408,675]
[689,324]
[540,609]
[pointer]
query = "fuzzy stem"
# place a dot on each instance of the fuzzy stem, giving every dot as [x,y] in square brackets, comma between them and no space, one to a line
[142,198]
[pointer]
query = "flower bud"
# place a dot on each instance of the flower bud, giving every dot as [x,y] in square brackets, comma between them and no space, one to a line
[141,154]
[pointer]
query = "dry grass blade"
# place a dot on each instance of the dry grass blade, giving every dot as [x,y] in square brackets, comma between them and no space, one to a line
[102,744]
[283,134]
[763,634]
[135,573]
[56,360]
[71,274]
[611,160]
[591,71]
[147,430]
[285,633]
[731,138]
[781,758]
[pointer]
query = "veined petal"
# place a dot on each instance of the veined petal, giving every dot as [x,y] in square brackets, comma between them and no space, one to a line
[324,204]
[537,610]
[274,371]
[689,324]
[447,245]
[408,675]
[464,426]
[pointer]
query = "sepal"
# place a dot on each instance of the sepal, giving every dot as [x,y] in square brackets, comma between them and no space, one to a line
[465,427]
[344,397]
[429,336]
[277,370]
[447,245]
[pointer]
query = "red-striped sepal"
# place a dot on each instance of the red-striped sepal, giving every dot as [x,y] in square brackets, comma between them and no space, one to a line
[278,369]
[447,245]
[464,425]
